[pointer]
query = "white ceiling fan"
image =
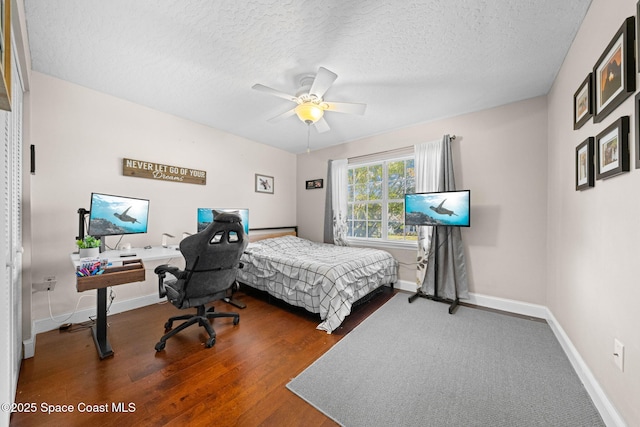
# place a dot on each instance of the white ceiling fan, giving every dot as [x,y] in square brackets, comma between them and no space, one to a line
[309,97]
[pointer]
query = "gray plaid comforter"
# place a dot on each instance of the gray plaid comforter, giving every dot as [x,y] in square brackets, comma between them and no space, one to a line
[322,278]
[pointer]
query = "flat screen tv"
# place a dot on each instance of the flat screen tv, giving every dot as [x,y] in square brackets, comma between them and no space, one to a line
[447,208]
[205,217]
[115,215]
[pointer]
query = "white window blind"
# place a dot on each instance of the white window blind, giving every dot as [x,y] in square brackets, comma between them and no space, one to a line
[11,249]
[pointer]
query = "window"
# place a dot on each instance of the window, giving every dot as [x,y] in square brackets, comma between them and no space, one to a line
[375,200]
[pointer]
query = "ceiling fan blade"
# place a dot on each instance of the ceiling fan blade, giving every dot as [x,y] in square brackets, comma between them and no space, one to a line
[266,89]
[323,81]
[346,107]
[282,116]
[322,125]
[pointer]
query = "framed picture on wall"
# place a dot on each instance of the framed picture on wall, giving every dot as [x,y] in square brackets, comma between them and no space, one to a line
[583,103]
[264,184]
[614,75]
[612,148]
[585,165]
[313,184]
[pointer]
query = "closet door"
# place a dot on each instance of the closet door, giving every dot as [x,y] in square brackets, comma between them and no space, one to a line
[6,305]
[11,245]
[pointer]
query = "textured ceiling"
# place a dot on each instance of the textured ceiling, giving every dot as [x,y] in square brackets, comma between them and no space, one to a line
[409,61]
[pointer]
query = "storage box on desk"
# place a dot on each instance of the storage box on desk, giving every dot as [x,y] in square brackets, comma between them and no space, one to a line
[130,271]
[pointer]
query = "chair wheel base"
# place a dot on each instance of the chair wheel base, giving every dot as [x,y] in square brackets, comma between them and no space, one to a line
[203,317]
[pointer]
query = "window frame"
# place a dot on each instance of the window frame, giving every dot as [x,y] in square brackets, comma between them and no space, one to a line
[383,241]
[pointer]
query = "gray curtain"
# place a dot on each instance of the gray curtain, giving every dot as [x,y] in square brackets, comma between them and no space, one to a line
[452,267]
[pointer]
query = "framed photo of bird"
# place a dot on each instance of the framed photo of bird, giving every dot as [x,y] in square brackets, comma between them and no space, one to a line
[264,184]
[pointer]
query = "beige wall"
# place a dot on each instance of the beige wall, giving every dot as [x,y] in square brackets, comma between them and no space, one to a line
[500,154]
[533,237]
[81,137]
[592,286]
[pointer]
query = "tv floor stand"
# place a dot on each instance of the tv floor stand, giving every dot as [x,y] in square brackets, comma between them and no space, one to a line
[453,303]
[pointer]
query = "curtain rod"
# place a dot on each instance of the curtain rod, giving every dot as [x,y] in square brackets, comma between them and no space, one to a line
[379,153]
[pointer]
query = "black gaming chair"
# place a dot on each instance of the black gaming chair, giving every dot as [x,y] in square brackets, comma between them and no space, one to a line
[212,261]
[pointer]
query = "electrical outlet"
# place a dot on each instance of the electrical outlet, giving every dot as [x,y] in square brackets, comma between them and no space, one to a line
[49,284]
[618,354]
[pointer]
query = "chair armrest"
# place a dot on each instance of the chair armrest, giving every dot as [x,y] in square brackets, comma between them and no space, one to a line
[166,268]
[162,271]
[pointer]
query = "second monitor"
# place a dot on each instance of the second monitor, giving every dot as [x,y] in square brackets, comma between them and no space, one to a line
[205,217]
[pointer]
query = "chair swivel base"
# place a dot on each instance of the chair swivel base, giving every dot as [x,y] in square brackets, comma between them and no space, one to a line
[202,317]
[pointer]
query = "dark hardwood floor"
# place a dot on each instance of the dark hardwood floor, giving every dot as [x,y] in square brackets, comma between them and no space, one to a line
[239,382]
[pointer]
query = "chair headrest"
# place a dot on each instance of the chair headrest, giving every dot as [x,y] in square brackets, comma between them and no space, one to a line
[226,216]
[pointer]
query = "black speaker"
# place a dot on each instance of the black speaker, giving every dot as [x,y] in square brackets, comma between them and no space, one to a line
[33,159]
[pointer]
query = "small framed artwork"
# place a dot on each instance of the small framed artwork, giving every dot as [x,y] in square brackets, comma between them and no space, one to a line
[637,122]
[314,183]
[585,165]
[612,148]
[614,75]
[264,184]
[583,103]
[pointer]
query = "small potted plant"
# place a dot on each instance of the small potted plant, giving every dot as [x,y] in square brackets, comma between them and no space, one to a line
[89,247]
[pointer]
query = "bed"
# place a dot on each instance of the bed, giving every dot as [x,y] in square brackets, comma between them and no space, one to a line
[322,278]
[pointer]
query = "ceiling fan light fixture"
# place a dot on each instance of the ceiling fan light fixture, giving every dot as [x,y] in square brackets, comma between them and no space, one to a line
[309,112]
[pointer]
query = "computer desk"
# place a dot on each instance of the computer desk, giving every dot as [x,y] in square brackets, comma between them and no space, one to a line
[99,330]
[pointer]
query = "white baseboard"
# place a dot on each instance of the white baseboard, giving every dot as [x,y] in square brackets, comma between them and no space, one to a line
[48,324]
[512,306]
[29,347]
[405,285]
[607,411]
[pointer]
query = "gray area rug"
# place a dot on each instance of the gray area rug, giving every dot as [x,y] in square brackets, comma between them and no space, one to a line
[417,365]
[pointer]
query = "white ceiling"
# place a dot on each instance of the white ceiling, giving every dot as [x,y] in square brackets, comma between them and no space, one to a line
[410,61]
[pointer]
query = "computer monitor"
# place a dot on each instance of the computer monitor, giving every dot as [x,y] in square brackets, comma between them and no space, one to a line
[116,215]
[448,208]
[205,217]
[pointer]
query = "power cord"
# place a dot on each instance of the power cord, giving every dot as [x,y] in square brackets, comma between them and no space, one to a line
[68,317]
[112,296]
[116,246]
[69,327]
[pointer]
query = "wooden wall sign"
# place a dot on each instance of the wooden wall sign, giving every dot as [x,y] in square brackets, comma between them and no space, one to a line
[142,169]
